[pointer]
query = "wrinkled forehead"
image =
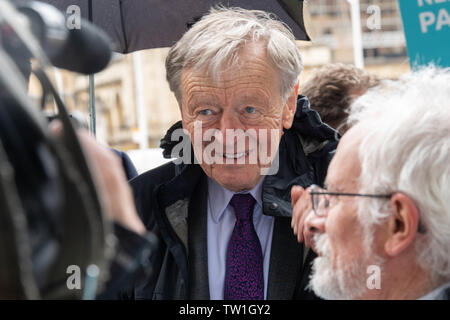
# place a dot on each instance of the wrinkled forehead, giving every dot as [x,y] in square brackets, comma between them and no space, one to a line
[345,168]
[250,64]
[252,74]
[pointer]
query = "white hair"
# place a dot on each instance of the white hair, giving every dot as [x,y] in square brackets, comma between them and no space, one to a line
[406,148]
[218,37]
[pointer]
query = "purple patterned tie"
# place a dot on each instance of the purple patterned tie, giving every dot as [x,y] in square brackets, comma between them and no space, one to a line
[244,266]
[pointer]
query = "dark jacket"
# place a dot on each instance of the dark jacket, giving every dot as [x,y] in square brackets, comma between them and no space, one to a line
[127,164]
[172,201]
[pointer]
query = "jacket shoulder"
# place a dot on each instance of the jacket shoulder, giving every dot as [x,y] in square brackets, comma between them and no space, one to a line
[144,185]
[127,164]
[154,177]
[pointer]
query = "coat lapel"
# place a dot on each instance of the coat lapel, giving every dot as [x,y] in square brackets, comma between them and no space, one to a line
[285,261]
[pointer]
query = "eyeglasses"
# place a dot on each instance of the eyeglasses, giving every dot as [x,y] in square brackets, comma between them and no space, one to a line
[321,198]
[321,201]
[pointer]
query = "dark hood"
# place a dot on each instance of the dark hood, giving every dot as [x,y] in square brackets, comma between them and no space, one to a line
[305,151]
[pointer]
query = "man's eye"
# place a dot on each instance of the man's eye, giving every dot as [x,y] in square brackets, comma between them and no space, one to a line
[250,110]
[205,112]
[334,200]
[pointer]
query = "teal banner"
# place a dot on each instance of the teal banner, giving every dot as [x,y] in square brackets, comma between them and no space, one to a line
[427,31]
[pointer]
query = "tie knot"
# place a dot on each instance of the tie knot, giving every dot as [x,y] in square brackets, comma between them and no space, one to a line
[243,204]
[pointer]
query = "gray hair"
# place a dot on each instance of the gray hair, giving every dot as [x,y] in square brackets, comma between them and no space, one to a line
[406,147]
[217,38]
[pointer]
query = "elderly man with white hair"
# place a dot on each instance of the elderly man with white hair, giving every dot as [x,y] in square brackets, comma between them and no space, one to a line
[382,226]
[222,209]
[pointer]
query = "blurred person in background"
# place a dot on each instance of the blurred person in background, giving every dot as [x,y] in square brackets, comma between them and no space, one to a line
[332,88]
[385,211]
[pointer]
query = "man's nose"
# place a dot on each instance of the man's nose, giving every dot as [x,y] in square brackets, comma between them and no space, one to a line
[230,128]
[314,225]
[229,120]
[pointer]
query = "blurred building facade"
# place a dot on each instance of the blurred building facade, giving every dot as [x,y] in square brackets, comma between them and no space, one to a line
[327,21]
[384,47]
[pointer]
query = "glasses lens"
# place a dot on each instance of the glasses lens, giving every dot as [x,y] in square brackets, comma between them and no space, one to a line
[324,203]
[315,198]
[320,201]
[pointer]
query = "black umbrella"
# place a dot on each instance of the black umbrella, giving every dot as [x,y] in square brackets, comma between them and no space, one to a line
[143,24]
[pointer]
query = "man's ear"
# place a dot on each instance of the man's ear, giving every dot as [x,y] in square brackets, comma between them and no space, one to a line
[290,107]
[402,225]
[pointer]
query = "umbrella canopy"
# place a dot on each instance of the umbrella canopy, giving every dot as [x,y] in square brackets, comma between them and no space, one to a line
[143,24]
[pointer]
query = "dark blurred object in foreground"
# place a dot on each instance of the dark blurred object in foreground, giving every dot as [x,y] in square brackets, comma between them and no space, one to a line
[57,240]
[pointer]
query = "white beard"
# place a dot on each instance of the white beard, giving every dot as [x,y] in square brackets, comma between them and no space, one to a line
[347,282]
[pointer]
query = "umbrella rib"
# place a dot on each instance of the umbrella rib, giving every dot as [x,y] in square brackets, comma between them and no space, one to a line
[123,28]
[90,11]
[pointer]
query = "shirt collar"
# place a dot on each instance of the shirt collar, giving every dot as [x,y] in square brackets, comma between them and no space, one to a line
[437,294]
[219,197]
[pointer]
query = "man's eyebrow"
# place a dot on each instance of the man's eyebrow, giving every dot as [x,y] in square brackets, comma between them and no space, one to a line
[331,187]
[336,188]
